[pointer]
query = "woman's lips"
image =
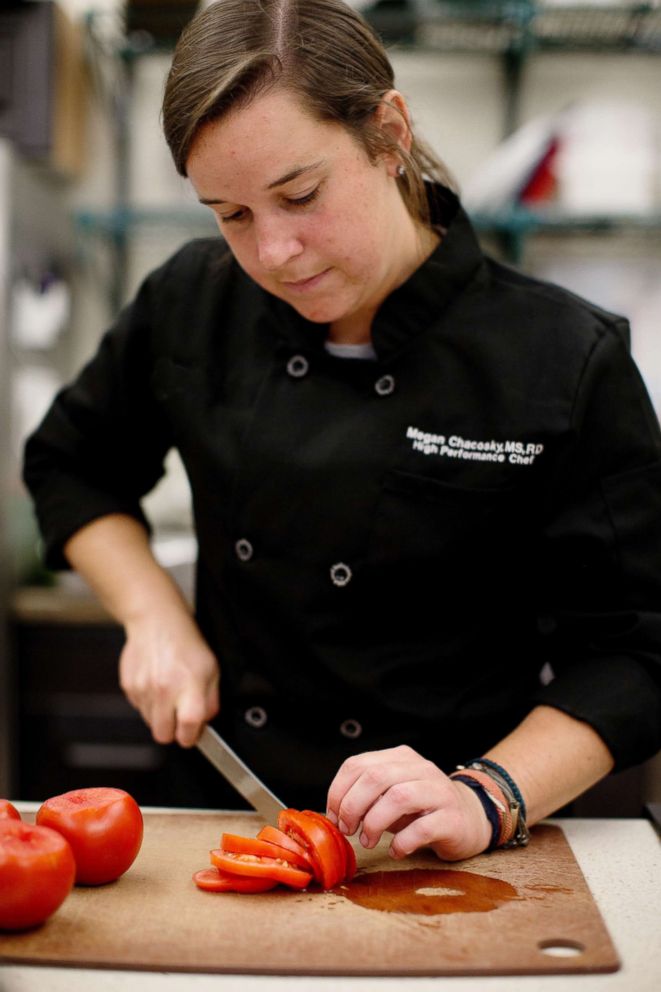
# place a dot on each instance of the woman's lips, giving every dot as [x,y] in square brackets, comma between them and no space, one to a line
[305,285]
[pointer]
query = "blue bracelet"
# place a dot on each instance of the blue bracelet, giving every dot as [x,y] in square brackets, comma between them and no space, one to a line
[507,777]
[487,804]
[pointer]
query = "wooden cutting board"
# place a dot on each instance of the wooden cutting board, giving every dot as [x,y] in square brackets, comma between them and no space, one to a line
[523,911]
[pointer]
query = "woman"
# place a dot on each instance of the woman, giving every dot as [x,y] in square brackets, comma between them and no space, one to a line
[420,480]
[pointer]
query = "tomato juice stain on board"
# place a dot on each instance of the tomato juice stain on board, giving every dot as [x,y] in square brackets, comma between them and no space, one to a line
[427,891]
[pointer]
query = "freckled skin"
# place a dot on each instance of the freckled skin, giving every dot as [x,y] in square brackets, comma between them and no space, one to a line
[356,237]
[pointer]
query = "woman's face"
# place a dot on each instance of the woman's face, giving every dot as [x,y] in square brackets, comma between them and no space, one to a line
[304,211]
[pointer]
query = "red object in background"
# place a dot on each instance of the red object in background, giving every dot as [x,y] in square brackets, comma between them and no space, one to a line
[541,185]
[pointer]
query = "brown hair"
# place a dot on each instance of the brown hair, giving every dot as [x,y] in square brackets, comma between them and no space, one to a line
[321,50]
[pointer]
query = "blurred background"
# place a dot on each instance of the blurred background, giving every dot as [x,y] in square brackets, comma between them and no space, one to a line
[549,116]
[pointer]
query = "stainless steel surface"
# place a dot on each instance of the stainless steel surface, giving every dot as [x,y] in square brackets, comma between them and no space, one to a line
[238,774]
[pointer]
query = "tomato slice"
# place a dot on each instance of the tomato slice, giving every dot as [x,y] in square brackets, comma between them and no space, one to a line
[214,880]
[257,866]
[293,849]
[7,811]
[316,835]
[236,844]
[338,839]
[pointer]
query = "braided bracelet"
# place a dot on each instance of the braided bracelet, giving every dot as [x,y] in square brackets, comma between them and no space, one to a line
[490,810]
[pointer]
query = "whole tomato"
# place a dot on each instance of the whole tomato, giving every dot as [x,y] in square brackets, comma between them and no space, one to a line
[103,826]
[37,870]
[7,811]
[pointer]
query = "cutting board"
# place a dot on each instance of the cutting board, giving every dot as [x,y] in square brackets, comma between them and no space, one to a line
[522,911]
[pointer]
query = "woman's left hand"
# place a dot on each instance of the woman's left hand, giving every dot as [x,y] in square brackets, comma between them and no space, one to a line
[399,791]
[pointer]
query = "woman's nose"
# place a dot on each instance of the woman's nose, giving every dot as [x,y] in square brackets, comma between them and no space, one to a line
[276,245]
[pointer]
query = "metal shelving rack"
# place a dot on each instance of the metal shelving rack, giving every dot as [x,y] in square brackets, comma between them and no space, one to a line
[513,30]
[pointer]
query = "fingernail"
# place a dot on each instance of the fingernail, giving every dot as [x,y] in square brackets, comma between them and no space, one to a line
[330,815]
[364,840]
[343,827]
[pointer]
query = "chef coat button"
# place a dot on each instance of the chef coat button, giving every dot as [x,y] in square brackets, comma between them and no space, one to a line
[255,716]
[244,549]
[351,729]
[298,366]
[340,574]
[385,385]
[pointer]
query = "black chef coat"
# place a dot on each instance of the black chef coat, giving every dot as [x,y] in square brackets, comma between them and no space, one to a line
[389,551]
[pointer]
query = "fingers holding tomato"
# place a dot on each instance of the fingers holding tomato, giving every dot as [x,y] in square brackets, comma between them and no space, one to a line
[37,871]
[104,827]
[399,791]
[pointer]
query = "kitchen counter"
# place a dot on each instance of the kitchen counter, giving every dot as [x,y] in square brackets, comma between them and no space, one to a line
[621,861]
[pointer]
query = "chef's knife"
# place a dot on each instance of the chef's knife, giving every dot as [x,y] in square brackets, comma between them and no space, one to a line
[238,774]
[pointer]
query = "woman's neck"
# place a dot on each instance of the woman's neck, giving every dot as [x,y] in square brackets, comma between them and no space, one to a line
[356,328]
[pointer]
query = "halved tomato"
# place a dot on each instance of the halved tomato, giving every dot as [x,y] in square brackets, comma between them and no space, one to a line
[214,880]
[318,836]
[236,844]
[255,866]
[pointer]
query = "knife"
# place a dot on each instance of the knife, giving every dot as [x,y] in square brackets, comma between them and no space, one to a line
[237,773]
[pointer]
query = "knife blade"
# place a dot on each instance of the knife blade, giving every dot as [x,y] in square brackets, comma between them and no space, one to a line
[237,773]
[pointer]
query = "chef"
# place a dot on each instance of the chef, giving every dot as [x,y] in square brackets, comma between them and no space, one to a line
[426,489]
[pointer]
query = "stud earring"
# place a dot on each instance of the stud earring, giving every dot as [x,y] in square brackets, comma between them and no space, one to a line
[401,171]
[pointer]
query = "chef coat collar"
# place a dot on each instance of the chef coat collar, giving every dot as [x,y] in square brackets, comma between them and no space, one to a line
[414,305]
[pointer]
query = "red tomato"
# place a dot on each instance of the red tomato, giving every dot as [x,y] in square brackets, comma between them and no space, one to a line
[236,844]
[7,811]
[258,867]
[317,836]
[214,880]
[37,870]
[104,827]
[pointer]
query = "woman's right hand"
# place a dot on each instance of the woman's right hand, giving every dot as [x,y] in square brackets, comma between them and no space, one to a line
[170,675]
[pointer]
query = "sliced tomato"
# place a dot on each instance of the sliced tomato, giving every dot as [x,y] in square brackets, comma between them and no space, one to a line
[256,866]
[338,840]
[236,844]
[315,833]
[293,849]
[214,880]
[7,811]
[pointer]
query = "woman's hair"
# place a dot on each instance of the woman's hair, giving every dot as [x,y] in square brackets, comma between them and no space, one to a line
[320,50]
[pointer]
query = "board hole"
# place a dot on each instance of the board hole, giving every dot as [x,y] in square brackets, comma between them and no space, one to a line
[561,948]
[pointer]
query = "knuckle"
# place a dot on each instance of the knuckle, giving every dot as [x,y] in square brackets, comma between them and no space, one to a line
[401,793]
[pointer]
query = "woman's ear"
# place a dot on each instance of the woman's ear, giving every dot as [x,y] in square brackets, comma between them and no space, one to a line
[393,117]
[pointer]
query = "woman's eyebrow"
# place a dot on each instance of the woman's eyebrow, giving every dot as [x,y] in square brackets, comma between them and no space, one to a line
[294,174]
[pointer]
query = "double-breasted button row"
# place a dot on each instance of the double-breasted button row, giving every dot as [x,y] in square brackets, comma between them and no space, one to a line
[340,573]
[298,367]
[257,717]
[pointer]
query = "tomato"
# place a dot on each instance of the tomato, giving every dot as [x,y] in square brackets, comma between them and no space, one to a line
[104,827]
[255,866]
[320,839]
[7,811]
[236,844]
[214,880]
[37,870]
[292,849]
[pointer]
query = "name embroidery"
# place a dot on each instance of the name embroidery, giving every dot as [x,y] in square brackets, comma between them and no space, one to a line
[455,446]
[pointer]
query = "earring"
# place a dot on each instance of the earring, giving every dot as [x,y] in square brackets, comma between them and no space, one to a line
[401,171]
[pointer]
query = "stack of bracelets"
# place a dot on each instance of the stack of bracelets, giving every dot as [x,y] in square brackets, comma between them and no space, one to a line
[501,799]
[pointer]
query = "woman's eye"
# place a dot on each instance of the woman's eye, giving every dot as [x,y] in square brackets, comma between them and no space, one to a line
[237,215]
[301,201]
